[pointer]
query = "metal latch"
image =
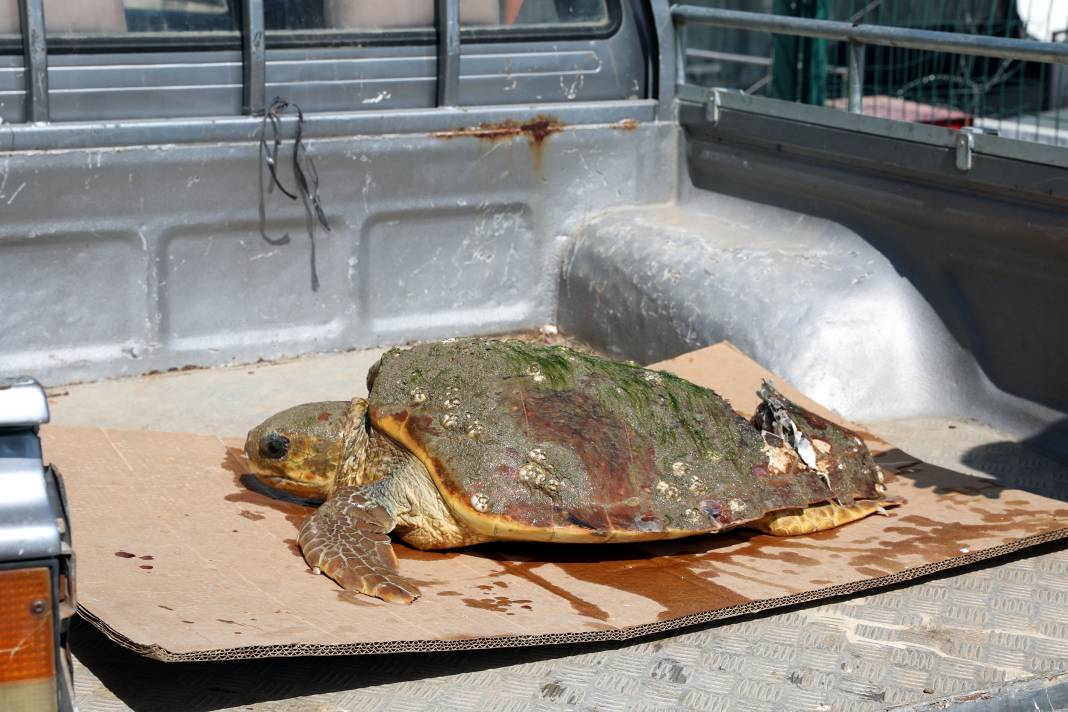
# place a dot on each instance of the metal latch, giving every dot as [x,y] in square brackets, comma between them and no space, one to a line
[965,142]
[965,149]
[712,106]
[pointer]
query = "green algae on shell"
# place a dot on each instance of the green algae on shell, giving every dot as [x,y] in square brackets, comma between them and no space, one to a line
[623,452]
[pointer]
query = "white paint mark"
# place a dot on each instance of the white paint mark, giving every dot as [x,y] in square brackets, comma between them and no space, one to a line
[15,194]
[368,182]
[381,96]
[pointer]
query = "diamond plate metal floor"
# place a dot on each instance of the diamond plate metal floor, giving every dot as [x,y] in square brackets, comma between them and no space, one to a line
[916,643]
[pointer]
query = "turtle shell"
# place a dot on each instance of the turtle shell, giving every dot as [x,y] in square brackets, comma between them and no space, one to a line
[547,443]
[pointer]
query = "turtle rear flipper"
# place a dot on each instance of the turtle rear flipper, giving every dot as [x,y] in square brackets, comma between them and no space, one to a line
[348,540]
[808,520]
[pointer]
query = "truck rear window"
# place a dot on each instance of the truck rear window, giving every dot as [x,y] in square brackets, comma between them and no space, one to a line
[527,13]
[103,25]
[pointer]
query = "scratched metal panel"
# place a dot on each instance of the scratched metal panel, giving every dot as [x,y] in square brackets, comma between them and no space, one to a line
[576,70]
[221,284]
[820,304]
[149,258]
[12,90]
[438,248]
[354,78]
[143,85]
[983,256]
[70,276]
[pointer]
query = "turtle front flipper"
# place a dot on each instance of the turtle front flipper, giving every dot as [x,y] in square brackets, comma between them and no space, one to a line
[348,540]
[808,520]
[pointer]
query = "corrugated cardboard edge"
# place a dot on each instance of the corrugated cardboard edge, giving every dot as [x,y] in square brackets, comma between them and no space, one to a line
[620,634]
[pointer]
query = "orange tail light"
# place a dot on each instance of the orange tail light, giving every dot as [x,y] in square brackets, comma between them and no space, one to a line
[27,640]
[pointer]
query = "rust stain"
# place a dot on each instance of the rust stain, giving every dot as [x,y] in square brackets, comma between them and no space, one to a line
[536,130]
[125,555]
[625,125]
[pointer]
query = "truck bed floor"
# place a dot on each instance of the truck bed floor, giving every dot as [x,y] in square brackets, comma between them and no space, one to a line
[975,628]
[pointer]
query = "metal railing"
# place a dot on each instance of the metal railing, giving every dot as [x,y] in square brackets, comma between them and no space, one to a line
[858,36]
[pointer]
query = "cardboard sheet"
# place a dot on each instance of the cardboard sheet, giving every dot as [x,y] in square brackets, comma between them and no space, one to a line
[180,559]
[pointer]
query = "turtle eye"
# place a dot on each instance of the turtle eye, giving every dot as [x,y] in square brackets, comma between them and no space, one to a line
[274,446]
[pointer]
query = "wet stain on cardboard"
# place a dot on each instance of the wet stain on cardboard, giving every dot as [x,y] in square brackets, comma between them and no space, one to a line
[680,575]
[497,604]
[935,540]
[631,569]
[252,491]
[525,570]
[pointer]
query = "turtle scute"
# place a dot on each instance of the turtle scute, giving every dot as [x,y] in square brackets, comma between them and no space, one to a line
[548,443]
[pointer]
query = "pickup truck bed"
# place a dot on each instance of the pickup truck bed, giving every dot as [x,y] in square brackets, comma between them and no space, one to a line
[910,277]
[946,635]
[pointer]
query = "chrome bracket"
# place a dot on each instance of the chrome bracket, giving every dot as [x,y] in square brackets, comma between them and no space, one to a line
[712,106]
[965,143]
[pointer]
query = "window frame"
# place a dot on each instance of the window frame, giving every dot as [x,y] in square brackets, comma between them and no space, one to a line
[148,42]
[156,46]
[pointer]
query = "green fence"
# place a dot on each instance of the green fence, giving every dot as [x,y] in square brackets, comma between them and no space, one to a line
[1027,100]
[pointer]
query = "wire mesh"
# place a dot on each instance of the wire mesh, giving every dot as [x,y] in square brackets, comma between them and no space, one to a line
[1016,99]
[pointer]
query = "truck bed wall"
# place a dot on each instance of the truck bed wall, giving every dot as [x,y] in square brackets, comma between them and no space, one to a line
[880,296]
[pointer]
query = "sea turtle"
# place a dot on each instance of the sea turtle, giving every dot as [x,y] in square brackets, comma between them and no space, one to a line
[475,440]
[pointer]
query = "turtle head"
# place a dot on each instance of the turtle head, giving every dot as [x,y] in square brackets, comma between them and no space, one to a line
[305,449]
